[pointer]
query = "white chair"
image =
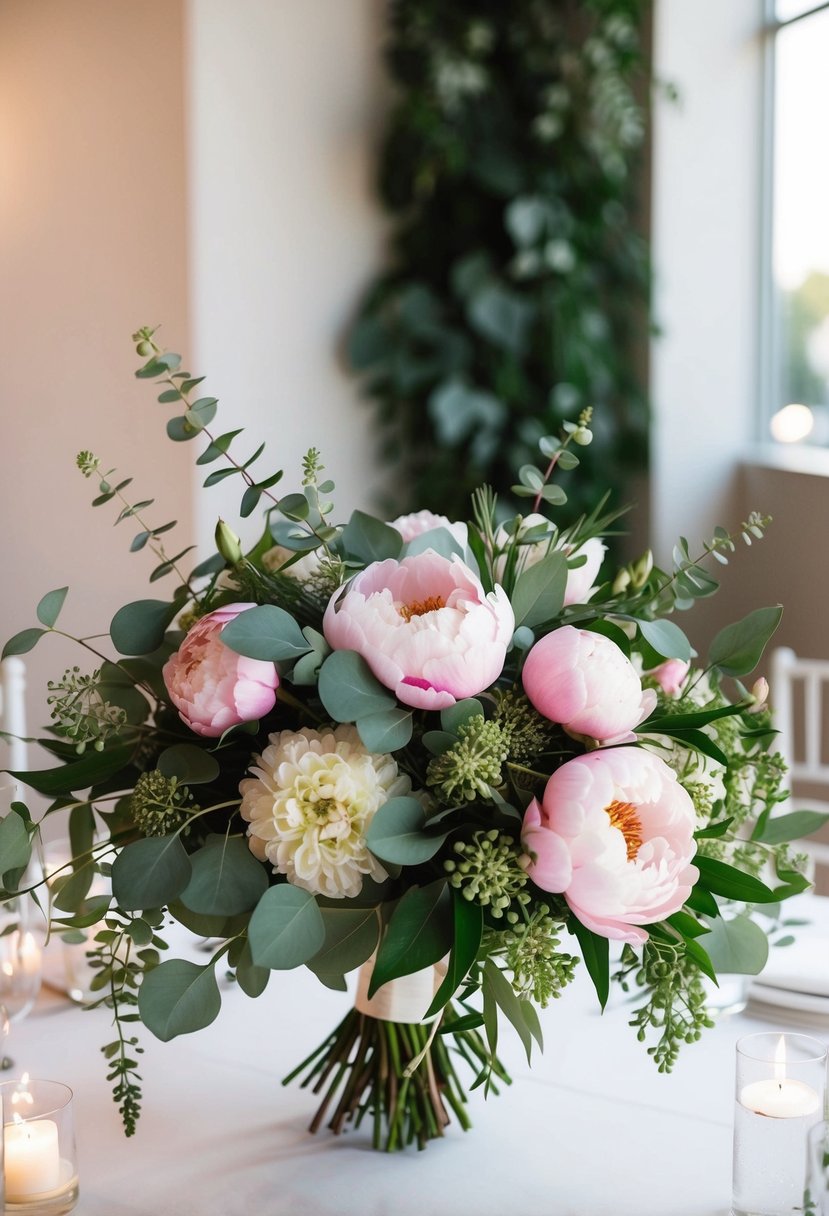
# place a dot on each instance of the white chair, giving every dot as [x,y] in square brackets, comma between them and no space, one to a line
[13,714]
[800,700]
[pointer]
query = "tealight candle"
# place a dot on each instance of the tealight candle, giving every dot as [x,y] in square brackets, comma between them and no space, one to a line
[779,1097]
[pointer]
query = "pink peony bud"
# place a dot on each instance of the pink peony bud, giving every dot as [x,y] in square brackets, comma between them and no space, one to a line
[417,522]
[615,836]
[425,627]
[583,681]
[759,695]
[670,676]
[211,686]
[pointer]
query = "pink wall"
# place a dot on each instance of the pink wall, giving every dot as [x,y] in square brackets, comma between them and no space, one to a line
[92,245]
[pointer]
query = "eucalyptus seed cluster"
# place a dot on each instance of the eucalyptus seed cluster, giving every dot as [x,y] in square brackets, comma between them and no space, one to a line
[539,970]
[676,999]
[80,712]
[88,463]
[487,871]
[159,805]
[527,734]
[473,764]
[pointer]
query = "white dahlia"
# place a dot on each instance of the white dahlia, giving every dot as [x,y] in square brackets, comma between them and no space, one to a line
[309,803]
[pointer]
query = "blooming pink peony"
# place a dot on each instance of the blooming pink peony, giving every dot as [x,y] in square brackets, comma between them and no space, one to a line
[615,836]
[670,676]
[211,686]
[583,681]
[417,522]
[425,627]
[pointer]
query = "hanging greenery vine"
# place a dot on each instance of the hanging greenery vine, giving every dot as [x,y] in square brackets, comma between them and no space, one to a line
[519,277]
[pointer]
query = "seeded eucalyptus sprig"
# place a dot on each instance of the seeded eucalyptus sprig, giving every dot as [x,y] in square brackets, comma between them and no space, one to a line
[676,1000]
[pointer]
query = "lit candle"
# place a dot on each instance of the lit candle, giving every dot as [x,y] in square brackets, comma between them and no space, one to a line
[780,1097]
[32,1161]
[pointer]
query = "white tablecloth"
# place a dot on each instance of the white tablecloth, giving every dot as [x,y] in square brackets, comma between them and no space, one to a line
[591,1130]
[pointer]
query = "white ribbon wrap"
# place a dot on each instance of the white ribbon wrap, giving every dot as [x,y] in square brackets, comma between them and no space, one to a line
[405,999]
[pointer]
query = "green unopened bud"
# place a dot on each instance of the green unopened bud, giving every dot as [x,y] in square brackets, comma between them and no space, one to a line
[228,543]
[621,582]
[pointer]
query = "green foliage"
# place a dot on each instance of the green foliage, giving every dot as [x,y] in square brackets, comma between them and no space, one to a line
[396,833]
[286,929]
[675,1007]
[519,278]
[179,997]
[419,933]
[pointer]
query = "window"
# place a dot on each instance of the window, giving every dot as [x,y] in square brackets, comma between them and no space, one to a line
[797,313]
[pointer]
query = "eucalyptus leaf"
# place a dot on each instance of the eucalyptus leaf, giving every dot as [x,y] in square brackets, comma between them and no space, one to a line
[178,997]
[737,649]
[737,946]
[189,764]
[22,642]
[351,935]
[455,716]
[150,873]
[15,845]
[666,638]
[396,833]
[386,731]
[266,632]
[226,878]
[49,607]
[139,627]
[370,539]
[251,979]
[782,828]
[286,928]
[349,690]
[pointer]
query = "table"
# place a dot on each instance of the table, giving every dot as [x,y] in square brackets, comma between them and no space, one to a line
[591,1130]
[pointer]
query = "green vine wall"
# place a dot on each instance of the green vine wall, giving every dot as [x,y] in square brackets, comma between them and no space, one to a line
[518,282]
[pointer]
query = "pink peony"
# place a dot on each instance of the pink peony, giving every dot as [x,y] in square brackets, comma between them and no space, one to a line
[418,522]
[211,686]
[425,627]
[670,676]
[581,581]
[583,681]
[615,836]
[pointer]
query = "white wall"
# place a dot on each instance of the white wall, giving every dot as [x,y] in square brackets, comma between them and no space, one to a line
[286,102]
[706,251]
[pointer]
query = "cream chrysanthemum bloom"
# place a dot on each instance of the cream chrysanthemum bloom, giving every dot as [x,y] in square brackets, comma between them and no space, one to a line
[309,804]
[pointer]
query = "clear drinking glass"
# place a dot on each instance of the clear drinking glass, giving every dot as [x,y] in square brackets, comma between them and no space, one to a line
[816,1194]
[780,1096]
[20,969]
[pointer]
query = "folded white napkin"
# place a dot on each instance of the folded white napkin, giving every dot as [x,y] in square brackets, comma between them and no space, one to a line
[801,967]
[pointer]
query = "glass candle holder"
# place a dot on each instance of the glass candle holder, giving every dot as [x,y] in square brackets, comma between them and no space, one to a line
[816,1194]
[40,1160]
[780,1095]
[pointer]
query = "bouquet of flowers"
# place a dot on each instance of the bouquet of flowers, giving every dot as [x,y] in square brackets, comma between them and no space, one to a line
[462,757]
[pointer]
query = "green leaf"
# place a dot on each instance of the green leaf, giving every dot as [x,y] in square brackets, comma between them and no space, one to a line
[213,479]
[348,690]
[178,997]
[192,765]
[91,769]
[736,650]
[508,1002]
[139,541]
[369,539]
[207,926]
[22,642]
[250,501]
[286,928]
[396,833]
[419,933]
[539,591]
[723,879]
[226,878]
[265,632]
[455,716]
[714,830]
[251,979]
[202,412]
[737,947]
[139,627]
[150,873]
[686,926]
[700,956]
[658,723]
[696,739]
[350,938]
[666,638]
[386,731]
[48,610]
[218,447]
[782,828]
[468,925]
[439,540]
[702,902]
[181,430]
[15,846]
[595,951]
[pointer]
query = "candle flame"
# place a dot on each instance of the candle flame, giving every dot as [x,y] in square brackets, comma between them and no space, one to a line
[21,1093]
[780,1060]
